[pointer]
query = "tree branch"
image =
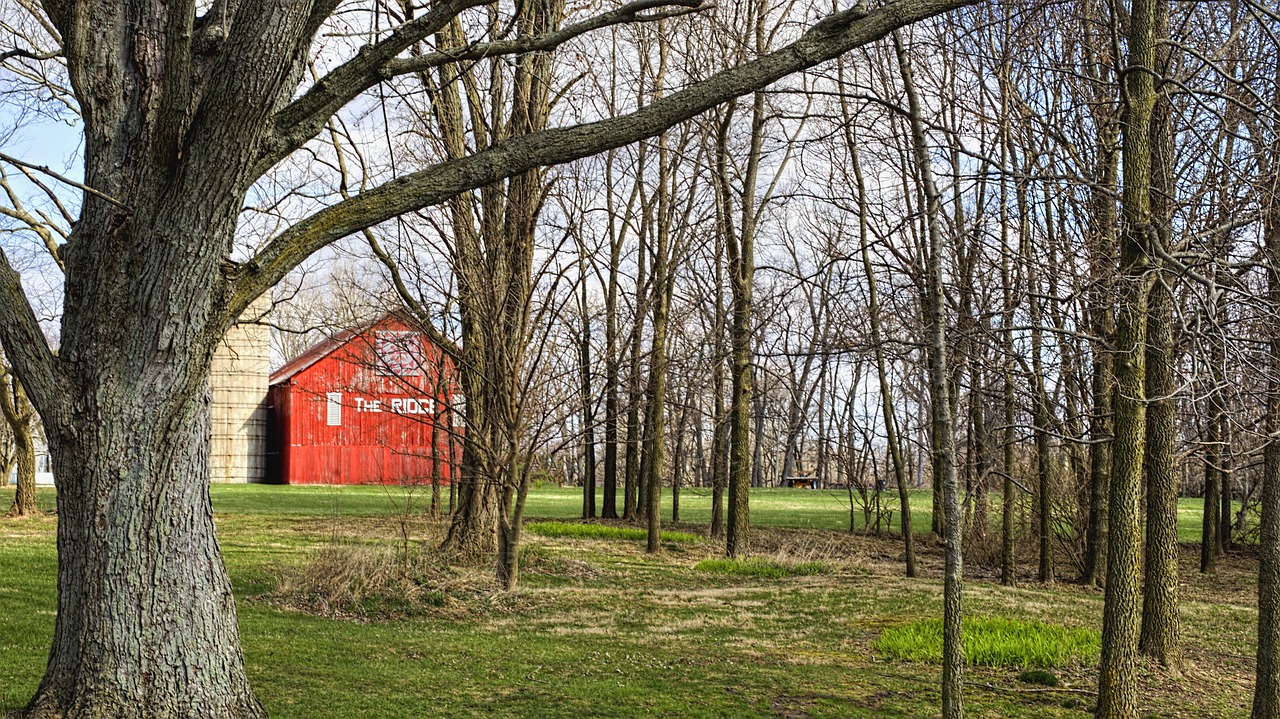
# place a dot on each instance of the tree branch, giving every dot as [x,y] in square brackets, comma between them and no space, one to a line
[631,12]
[305,117]
[26,347]
[831,37]
[63,179]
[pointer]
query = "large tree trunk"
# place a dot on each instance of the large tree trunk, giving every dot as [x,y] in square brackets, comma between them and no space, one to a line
[146,623]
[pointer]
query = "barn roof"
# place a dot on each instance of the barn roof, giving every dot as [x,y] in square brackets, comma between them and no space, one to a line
[318,352]
[337,341]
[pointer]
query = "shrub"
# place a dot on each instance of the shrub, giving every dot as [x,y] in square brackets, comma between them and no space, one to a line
[759,567]
[995,642]
[1038,676]
[602,531]
[370,582]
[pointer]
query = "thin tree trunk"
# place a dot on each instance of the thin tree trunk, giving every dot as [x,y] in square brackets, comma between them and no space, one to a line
[942,408]
[877,341]
[677,473]
[1008,560]
[741,255]
[611,364]
[1266,692]
[1040,400]
[19,415]
[634,395]
[656,422]
[588,413]
[1161,634]
[1117,681]
[1209,549]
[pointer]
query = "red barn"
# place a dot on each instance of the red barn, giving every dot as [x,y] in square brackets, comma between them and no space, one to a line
[374,405]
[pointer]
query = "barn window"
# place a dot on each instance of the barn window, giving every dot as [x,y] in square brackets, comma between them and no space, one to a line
[458,411]
[399,353]
[334,417]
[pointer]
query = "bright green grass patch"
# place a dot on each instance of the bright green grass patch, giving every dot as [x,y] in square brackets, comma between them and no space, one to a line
[994,642]
[602,531]
[758,567]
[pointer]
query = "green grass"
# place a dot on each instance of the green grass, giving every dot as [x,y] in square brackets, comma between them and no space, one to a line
[602,629]
[995,642]
[604,531]
[760,567]
[770,507]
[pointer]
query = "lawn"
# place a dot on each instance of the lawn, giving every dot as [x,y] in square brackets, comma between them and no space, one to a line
[770,507]
[601,629]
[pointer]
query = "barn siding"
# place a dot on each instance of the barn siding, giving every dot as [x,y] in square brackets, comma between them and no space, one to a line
[368,447]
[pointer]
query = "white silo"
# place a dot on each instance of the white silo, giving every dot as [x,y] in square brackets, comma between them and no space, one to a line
[241,367]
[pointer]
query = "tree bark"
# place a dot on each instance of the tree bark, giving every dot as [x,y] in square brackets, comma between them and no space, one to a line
[18,415]
[1161,636]
[588,413]
[941,410]
[658,352]
[144,599]
[1266,692]
[1117,682]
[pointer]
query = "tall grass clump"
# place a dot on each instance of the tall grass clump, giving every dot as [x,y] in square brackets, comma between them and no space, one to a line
[760,567]
[603,531]
[995,642]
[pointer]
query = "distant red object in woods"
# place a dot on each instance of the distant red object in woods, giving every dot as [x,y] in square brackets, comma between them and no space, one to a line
[374,405]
